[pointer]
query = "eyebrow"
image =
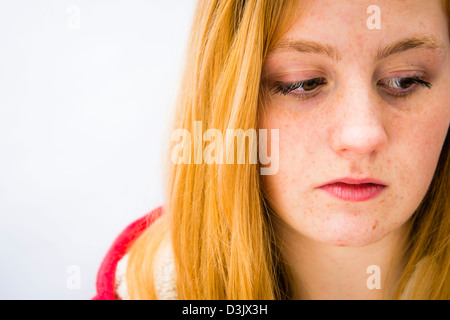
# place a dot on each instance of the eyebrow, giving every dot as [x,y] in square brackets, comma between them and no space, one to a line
[416,42]
[427,42]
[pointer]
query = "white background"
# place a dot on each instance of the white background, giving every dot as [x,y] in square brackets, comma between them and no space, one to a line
[86,90]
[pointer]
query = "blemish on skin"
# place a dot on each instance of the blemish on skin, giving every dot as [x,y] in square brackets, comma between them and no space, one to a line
[375,225]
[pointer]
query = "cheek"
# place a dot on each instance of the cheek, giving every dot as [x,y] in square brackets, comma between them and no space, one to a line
[298,141]
[288,191]
[413,155]
[416,148]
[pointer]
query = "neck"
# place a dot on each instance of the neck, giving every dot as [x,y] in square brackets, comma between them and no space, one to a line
[324,271]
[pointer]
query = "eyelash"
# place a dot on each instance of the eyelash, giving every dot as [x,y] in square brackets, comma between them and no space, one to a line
[286,88]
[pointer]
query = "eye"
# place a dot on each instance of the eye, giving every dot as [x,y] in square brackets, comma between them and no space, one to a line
[403,87]
[302,89]
[396,87]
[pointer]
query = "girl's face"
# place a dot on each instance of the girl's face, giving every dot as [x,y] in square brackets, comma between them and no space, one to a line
[355,101]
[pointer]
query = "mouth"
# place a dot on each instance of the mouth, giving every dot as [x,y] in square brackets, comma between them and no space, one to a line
[354,190]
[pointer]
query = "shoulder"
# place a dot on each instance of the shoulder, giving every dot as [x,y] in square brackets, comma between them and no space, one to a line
[106,275]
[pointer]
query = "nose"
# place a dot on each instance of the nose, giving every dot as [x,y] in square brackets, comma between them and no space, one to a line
[358,128]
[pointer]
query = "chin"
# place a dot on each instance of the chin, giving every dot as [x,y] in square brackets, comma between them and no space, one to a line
[346,240]
[348,231]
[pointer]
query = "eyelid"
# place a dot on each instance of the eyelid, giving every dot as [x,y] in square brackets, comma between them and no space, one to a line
[294,73]
[403,74]
[294,77]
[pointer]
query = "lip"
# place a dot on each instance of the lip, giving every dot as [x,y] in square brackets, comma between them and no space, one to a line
[351,189]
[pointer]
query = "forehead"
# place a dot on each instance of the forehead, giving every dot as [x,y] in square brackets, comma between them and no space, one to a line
[344,24]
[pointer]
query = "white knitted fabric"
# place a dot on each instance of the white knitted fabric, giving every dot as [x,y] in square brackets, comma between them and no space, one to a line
[164,274]
[121,285]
